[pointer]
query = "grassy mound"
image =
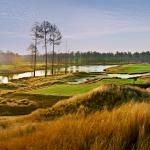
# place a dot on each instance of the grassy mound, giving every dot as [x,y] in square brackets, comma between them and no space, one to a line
[8,86]
[23,103]
[107,96]
[74,89]
[123,128]
[16,107]
[130,68]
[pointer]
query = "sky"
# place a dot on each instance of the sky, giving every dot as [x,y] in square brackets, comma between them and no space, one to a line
[86,25]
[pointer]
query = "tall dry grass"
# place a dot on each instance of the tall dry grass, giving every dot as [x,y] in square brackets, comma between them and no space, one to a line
[123,128]
[106,96]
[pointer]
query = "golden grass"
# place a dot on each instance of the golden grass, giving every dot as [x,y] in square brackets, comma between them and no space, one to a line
[33,82]
[106,96]
[111,117]
[124,128]
[24,103]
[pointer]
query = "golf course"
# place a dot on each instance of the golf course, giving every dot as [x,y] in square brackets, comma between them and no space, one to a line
[74,75]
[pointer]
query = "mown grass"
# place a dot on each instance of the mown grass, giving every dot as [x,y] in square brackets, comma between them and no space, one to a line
[70,90]
[106,96]
[124,128]
[14,100]
[130,68]
[47,92]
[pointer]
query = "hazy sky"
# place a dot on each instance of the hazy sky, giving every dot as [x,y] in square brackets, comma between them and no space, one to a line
[102,25]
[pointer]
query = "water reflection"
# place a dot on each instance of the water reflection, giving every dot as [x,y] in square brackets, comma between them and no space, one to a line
[4,79]
[88,69]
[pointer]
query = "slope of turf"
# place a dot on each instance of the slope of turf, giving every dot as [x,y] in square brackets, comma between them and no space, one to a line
[130,68]
[70,90]
[12,104]
[107,96]
[92,121]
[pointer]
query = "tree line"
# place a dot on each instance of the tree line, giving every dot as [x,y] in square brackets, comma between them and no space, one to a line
[10,58]
[76,58]
[89,58]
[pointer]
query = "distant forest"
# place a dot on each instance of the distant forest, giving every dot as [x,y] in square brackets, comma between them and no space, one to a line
[78,58]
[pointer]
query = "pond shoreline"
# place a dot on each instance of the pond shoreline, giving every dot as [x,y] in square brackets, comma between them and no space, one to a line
[98,70]
[72,69]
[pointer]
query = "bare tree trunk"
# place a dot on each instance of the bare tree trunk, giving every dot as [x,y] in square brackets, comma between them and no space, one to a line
[58,63]
[35,56]
[32,59]
[45,44]
[53,59]
[66,58]
[45,57]
[66,63]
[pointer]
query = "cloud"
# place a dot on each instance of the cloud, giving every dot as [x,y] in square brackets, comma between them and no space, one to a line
[90,23]
[14,34]
[86,24]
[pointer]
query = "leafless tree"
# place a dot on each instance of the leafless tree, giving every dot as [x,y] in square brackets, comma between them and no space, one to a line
[45,29]
[54,39]
[66,58]
[33,47]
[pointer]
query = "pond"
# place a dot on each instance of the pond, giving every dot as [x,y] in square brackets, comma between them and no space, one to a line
[92,68]
[87,69]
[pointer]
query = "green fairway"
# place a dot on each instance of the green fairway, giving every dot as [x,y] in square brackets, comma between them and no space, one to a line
[130,68]
[70,90]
